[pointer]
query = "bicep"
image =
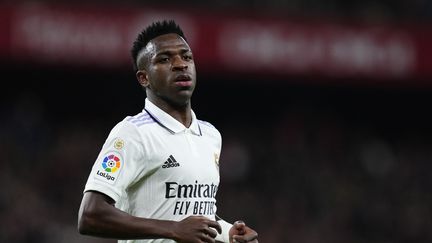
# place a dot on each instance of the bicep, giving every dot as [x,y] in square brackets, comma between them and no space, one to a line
[93,204]
[93,201]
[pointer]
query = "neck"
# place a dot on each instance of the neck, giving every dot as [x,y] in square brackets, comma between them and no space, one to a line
[182,113]
[184,117]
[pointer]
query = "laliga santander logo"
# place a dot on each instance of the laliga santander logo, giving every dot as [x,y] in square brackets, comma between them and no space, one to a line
[111,163]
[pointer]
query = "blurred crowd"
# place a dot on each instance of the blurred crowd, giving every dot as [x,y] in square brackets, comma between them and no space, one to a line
[363,10]
[302,165]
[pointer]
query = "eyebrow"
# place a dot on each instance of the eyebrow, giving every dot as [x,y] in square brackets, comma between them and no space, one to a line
[169,52]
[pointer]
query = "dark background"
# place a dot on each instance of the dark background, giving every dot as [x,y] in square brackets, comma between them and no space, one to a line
[304,159]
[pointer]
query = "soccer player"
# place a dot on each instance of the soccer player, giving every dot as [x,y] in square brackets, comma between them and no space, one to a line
[157,174]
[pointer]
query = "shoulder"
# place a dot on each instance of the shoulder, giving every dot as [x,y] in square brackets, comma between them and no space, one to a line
[206,123]
[139,119]
[208,128]
[132,125]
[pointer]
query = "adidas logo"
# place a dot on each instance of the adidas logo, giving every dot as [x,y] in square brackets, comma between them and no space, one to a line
[170,162]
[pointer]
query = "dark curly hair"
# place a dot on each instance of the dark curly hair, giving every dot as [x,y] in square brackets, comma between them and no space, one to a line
[152,31]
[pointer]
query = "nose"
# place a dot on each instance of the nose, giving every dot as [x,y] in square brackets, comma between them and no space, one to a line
[179,64]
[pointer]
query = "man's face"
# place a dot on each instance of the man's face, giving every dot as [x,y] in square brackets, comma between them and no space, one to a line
[169,75]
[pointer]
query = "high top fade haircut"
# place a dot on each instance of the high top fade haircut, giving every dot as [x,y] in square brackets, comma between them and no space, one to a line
[154,30]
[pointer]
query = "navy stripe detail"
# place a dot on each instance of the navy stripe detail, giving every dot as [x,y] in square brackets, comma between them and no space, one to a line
[160,123]
[199,128]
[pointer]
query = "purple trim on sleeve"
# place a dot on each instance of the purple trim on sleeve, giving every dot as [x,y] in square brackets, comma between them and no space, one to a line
[141,119]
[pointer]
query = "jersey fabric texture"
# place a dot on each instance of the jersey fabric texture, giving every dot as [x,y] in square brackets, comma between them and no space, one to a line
[155,167]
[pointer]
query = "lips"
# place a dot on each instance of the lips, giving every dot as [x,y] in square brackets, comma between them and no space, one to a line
[183,80]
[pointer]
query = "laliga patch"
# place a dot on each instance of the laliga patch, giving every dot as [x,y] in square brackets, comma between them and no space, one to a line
[109,168]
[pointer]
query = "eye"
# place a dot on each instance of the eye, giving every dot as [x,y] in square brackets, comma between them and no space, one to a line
[163,59]
[187,57]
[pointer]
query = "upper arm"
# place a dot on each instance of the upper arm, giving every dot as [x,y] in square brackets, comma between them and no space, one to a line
[118,164]
[92,205]
[93,200]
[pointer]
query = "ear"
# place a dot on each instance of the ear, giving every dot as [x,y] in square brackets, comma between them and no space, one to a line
[142,78]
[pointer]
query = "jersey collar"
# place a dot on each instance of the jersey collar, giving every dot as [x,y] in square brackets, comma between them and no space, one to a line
[168,122]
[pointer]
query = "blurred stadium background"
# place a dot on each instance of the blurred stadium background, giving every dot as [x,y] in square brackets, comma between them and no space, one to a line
[324,108]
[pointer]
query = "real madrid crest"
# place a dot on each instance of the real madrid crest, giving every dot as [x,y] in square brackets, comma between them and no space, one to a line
[216,158]
[119,143]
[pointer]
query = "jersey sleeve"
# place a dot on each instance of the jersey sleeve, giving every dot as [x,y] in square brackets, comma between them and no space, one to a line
[118,163]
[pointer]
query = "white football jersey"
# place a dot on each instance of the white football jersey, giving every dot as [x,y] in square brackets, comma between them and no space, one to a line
[155,167]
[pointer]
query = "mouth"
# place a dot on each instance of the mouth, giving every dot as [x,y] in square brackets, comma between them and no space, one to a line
[183,80]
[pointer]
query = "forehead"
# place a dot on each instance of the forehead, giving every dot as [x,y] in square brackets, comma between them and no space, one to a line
[167,42]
